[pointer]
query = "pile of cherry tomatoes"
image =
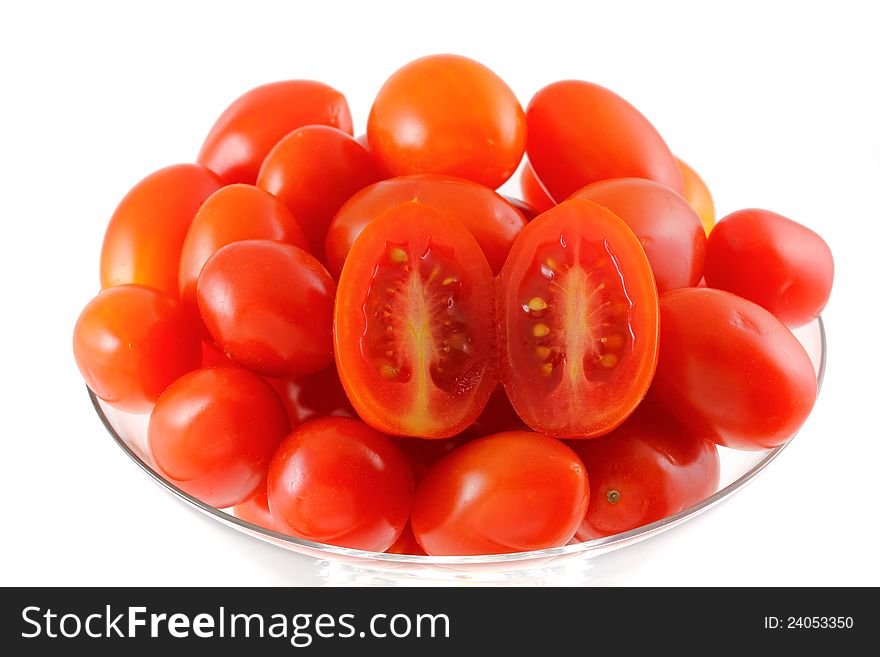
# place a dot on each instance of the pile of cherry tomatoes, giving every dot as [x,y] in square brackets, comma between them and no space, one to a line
[360,342]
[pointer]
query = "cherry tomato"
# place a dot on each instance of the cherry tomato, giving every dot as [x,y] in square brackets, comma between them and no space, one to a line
[232,214]
[580,132]
[313,395]
[731,371]
[666,225]
[413,324]
[648,468]
[406,544]
[492,221]
[577,321]
[450,115]
[269,306]
[423,454]
[313,171]
[256,511]
[497,417]
[533,189]
[213,432]
[697,194]
[337,481]
[509,492]
[130,342]
[771,260]
[146,232]
[248,129]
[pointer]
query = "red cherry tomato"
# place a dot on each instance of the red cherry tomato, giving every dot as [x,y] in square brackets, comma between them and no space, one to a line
[248,129]
[212,356]
[269,306]
[232,214]
[533,189]
[580,132]
[492,221]
[313,171]
[649,468]
[697,194]
[509,492]
[413,324]
[406,544]
[143,241]
[771,260]
[337,481]
[730,370]
[577,321]
[213,432]
[256,511]
[666,225]
[313,395]
[130,342]
[450,115]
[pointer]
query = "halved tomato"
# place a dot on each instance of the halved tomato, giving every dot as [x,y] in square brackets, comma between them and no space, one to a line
[577,321]
[413,325]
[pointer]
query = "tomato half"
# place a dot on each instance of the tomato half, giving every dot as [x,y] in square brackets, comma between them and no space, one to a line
[248,129]
[696,192]
[533,189]
[492,221]
[578,321]
[414,324]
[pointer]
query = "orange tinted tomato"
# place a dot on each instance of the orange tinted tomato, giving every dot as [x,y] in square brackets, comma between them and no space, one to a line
[249,128]
[533,189]
[697,194]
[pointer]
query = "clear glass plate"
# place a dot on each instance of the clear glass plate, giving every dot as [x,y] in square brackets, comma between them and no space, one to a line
[567,564]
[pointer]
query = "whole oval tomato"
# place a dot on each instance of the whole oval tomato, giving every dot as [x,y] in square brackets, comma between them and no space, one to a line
[731,371]
[580,132]
[771,260]
[146,232]
[577,321]
[666,225]
[130,342]
[413,324]
[232,214]
[248,129]
[509,492]
[450,115]
[269,306]
[649,468]
[337,481]
[492,221]
[533,190]
[213,432]
[313,396]
[696,192]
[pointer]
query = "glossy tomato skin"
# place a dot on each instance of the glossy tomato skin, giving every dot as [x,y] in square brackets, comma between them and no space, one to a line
[533,190]
[771,260]
[697,193]
[526,210]
[407,543]
[256,511]
[232,214]
[248,129]
[508,492]
[649,468]
[130,342]
[731,371]
[577,321]
[269,306]
[492,220]
[337,481]
[447,114]
[665,223]
[413,324]
[313,396]
[144,238]
[213,432]
[580,132]
[313,171]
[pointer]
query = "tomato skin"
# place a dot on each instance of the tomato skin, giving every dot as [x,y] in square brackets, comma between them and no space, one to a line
[666,225]
[450,115]
[313,396]
[526,210]
[655,466]
[248,129]
[731,371]
[697,193]
[407,543]
[232,214]
[256,511]
[580,133]
[146,232]
[213,432]
[771,260]
[130,342]
[579,365]
[414,338]
[337,481]
[493,221]
[508,492]
[424,454]
[533,189]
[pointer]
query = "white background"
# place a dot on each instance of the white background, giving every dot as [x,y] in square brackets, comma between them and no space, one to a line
[776,104]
